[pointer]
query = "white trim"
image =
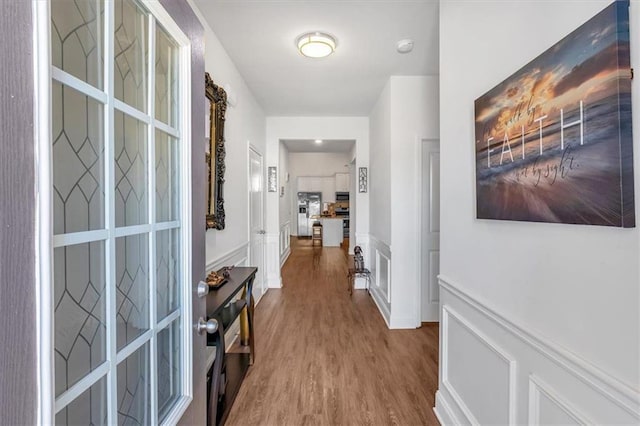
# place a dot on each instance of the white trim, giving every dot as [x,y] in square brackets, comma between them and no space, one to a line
[419,146]
[131,111]
[81,387]
[382,307]
[163,323]
[126,231]
[151,190]
[74,238]
[167,22]
[285,256]
[538,387]
[164,226]
[186,213]
[179,408]
[469,417]
[110,249]
[610,387]
[447,312]
[139,341]
[443,411]
[379,256]
[75,83]
[226,258]
[165,128]
[44,216]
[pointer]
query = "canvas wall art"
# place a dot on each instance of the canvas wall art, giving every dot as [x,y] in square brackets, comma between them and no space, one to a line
[553,141]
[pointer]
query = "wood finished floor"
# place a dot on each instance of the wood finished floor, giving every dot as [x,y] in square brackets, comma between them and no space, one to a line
[323,358]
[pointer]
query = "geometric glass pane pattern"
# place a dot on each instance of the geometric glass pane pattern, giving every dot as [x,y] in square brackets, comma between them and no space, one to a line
[167,272]
[130,55]
[78,161]
[90,408]
[166,78]
[132,288]
[168,368]
[130,139]
[76,37]
[166,177]
[106,176]
[80,306]
[133,388]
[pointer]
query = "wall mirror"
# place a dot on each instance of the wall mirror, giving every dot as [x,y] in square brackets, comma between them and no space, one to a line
[215,156]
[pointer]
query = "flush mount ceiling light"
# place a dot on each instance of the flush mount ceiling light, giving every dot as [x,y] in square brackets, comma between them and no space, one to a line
[318,140]
[316,44]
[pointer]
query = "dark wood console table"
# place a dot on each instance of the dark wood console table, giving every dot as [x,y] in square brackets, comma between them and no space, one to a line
[228,369]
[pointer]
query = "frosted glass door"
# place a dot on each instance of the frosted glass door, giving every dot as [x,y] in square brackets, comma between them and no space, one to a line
[118,322]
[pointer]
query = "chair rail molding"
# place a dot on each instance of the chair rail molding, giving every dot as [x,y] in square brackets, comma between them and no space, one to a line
[236,256]
[550,382]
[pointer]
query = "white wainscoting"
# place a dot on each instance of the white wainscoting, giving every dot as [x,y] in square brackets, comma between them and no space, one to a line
[493,371]
[378,260]
[236,257]
[285,242]
[272,259]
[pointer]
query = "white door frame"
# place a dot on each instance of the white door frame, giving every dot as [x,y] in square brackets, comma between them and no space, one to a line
[418,220]
[43,73]
[263,287]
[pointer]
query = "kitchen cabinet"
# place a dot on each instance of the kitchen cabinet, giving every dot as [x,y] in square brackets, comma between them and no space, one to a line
[325,185]
[342,182]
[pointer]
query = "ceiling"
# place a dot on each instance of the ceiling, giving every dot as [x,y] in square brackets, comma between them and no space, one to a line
[309,145]
[259,36]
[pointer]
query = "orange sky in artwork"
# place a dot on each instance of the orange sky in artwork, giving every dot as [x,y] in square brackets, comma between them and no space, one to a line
[535,97]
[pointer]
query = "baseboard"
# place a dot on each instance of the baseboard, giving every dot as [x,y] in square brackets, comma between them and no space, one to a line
[517,368]
[382,307]
[398,322]
[443,411]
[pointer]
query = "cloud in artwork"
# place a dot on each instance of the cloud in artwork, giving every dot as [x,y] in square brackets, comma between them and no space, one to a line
[605,60]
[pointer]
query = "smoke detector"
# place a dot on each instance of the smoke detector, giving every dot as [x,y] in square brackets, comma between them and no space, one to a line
[405,46]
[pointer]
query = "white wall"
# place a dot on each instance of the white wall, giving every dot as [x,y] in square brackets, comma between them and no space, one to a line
[559,303]
[287,216]
[380,166]
[405,113]
[414,116]
[289,187]
[355,128]
[245,124]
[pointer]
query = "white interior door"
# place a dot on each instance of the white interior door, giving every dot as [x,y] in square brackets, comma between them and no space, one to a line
[117,311]
[256,220]
[430,231]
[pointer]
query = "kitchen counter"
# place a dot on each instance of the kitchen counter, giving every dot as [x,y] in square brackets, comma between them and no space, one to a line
[331,231]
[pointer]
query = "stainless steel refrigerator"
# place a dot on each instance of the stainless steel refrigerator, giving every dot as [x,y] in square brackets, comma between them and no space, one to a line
[309,205]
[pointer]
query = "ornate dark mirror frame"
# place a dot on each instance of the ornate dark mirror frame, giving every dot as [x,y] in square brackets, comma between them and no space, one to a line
[215,157]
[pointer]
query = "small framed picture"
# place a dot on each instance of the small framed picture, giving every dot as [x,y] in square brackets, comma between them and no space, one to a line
[272,179]
[362,179]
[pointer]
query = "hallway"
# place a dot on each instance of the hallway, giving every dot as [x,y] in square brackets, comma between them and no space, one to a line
[323,358]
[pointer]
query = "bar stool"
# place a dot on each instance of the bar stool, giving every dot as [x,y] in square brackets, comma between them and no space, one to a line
[316,235]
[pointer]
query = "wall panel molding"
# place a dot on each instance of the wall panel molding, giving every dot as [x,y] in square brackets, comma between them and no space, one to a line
[565,382]
[285,242]
[272,260]
[448,314]
[538,388]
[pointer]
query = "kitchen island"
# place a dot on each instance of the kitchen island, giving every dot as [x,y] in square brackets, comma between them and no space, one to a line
[331,231]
